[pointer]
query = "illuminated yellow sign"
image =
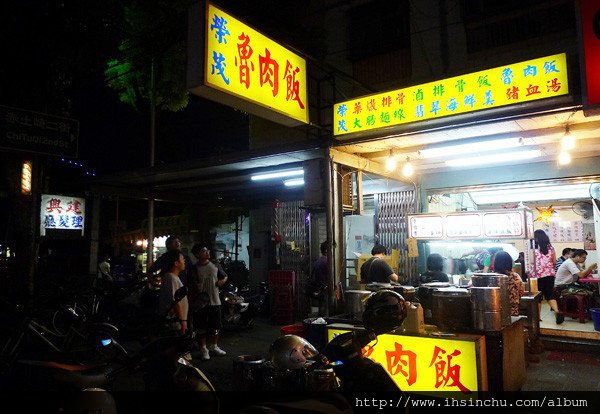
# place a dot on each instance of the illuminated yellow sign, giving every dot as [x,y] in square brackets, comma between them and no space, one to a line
[506,85]
[242,62]
[424,364]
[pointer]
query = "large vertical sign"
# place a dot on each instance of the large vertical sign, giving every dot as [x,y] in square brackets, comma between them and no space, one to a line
[59,212]
[247,70]
[590,30]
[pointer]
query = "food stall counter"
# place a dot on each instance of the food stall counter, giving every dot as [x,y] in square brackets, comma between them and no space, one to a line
[427,362]
[456,362]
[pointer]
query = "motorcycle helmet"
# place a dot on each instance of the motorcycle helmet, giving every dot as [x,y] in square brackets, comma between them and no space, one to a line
[90,400]
[385,310]
[291,352]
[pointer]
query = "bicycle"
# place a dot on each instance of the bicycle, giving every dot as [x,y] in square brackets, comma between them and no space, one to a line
[82,343]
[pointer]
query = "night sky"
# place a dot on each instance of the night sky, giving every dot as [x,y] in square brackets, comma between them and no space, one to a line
[53,57]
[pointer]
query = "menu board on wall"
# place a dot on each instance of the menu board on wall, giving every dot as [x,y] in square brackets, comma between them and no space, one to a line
[426,227]
[463,225]
[470,225]
[566,231]
[503,224]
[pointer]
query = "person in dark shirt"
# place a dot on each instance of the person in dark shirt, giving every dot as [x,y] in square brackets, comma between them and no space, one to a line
[566,254]
[376,268]
[321,269]
[435,264]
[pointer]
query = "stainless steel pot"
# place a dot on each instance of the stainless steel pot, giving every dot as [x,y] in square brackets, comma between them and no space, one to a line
[486,308]
[496,280]
[451,310]
[354,304]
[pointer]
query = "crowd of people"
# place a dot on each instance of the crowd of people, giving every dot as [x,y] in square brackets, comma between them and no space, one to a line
[200,309]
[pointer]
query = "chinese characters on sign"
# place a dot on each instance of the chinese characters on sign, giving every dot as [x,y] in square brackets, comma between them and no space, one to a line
[566,231]
[425,227]
[242,62]
[61,213]
[471,225]
[425,364]
[35,132]
[520,82]
[503,224]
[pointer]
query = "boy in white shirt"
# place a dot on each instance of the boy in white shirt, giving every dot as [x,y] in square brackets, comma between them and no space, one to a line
[568,272]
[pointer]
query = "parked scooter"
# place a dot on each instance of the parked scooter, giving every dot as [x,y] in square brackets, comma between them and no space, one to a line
[385,310]
[165,363]
[236,312]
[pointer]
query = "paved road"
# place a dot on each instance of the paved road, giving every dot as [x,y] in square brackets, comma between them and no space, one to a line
[556,371]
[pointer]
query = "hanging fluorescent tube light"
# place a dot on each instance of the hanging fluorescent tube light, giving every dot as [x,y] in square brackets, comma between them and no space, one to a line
[540,193]
[277,174]
[489,145]
[293,182]
[494,158]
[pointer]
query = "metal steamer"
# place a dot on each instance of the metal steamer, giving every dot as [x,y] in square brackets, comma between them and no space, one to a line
[490,304]
[354,303]
[451,309]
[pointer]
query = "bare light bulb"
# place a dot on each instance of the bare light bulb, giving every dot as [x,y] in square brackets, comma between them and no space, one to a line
[567,142]
[390,163]
[564,158]
[408,169]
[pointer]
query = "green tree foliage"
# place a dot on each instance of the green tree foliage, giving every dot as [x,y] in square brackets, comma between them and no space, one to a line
[153,31]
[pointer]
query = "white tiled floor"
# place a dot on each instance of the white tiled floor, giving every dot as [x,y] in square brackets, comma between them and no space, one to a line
[549,321]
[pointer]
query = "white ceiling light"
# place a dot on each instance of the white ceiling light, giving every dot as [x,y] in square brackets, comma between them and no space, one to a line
[294,182]
[390,162]
[567,142]
[408,169]
[277,174]
[494,158]
[478,146]
[564,158]
[540,193]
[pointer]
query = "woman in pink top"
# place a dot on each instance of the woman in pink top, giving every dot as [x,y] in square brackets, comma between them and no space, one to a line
[545,260]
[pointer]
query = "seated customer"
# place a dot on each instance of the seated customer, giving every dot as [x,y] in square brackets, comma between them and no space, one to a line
[503,264]
[435,264]
[376,268]
[566,254]
[568,272]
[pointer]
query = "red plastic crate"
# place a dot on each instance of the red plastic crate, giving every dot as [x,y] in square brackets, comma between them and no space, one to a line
[282,277]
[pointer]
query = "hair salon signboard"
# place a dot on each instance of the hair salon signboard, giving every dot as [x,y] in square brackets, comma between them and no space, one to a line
[59,212]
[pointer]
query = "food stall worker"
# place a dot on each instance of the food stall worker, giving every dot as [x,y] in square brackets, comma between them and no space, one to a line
[435,264]
[376,268]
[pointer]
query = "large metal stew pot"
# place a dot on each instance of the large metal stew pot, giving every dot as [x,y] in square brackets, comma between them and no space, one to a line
[354,304]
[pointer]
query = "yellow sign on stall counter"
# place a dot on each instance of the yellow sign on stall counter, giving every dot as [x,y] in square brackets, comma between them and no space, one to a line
[425,364]
[527,81]
[242,62]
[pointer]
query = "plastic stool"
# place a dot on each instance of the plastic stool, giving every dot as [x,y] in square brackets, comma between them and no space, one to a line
[574,306]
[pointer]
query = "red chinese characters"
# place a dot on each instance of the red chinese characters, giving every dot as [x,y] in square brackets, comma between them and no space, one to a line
[54,204]
[400,361]
[293,86]
[269,71]
[447,374]
[244,54]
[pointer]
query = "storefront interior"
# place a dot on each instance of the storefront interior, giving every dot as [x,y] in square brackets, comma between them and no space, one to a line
[562,208]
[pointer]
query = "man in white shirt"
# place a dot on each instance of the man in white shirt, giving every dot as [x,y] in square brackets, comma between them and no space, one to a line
[568,272]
